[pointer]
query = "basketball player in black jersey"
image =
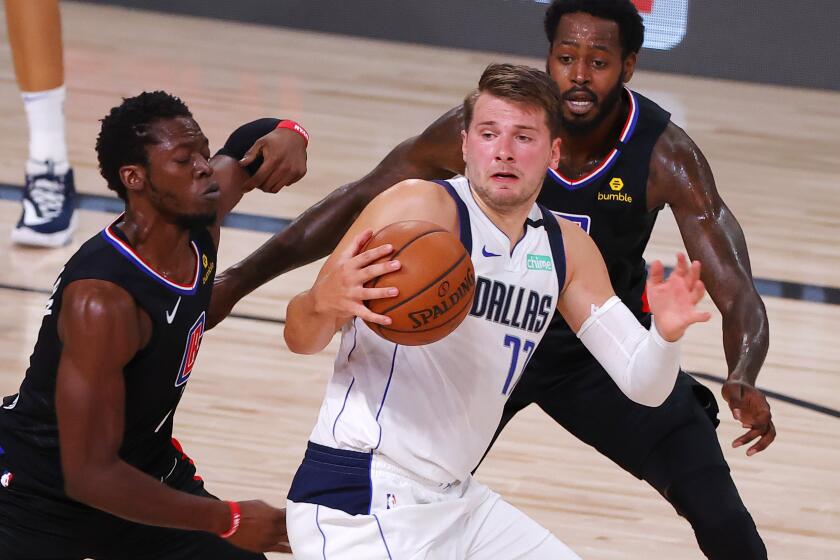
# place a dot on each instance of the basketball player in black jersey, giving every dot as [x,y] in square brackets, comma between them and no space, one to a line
[621,161]
[90,469]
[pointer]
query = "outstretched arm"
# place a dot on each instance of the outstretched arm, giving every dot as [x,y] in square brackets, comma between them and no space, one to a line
[436,153]
[681,177]
[643,363]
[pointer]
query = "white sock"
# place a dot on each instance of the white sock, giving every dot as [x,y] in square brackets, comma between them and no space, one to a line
[45,113]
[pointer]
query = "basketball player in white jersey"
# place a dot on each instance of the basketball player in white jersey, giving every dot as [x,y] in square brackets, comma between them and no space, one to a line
[387,471]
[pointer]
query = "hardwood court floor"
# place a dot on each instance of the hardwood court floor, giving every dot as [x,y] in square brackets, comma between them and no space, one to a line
[251,403]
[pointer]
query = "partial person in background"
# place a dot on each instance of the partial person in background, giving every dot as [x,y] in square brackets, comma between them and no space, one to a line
[49,196]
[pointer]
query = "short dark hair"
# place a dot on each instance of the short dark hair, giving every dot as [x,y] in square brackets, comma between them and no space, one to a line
[521,84]
[622,12]
[125,133]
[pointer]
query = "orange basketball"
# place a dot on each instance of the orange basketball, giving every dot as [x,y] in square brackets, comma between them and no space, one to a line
[436,283]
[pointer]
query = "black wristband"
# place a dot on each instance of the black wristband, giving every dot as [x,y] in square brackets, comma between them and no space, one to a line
[241,140]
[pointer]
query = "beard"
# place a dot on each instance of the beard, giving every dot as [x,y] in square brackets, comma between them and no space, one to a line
[602,108]
[193,222]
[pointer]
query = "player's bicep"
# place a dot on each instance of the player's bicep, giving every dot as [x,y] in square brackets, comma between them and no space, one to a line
[709,230]
[100,333]
[587,279]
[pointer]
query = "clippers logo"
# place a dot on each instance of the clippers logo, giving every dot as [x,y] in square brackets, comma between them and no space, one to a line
[191,352]
[6,479]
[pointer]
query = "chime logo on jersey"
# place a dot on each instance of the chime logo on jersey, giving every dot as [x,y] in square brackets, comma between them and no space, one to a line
[191,351]
[539,262]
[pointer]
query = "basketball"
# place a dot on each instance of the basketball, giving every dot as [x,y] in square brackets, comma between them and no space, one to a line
[436,283]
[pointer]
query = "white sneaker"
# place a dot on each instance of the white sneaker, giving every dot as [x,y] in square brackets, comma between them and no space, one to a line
[49,200]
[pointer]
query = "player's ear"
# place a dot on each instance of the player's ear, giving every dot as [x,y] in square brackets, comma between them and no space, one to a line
[464,144]
[628,67]
[133,177]
[555,152]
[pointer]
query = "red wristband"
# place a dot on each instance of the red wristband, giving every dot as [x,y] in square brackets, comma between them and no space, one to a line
[292,125]
[235,519]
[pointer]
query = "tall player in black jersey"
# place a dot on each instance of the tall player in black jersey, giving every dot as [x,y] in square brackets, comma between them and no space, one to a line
[621,161]
[90,469]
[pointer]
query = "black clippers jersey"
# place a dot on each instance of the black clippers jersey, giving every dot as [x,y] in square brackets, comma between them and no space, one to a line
[610,204]
[154,379]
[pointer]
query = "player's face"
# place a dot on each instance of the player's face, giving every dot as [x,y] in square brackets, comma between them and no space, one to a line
[507,150]
[179,175]
[585,62]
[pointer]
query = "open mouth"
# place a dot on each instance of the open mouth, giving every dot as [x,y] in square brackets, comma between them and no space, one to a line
[579,107]
[504,176]
[579,102]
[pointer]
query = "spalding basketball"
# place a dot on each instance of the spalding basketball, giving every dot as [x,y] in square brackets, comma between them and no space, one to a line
[436,283]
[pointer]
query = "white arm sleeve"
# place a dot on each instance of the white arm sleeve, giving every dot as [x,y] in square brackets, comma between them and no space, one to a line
[640,361]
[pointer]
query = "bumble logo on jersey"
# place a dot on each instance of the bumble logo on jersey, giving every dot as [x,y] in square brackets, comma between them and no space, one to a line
[616,184]
[209,266]
[511,305]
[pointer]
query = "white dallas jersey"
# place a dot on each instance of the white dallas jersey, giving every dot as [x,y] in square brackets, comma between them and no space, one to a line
[433,409]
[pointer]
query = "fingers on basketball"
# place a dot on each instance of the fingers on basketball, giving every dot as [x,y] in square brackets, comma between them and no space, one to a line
[379,268]
[364,313]
[359,243]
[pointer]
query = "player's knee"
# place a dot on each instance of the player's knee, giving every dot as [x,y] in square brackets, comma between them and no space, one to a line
[722,525]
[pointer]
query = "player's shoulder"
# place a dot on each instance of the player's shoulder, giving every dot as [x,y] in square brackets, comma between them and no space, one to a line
[95,254]
[91,301]
[675,146]
[415,199]
[412,191]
